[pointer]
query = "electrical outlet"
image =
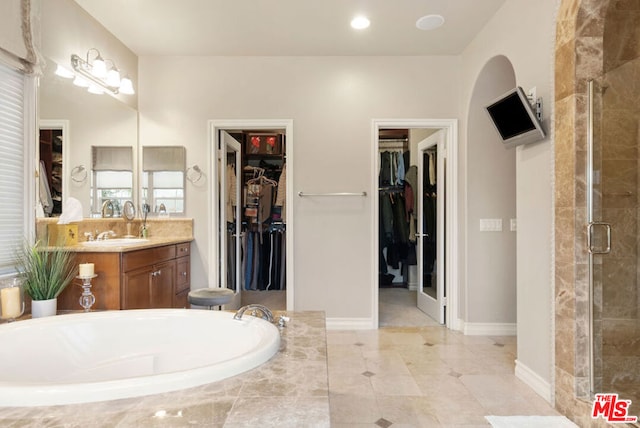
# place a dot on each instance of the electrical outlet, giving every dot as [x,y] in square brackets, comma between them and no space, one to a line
[514,225]
[532,95]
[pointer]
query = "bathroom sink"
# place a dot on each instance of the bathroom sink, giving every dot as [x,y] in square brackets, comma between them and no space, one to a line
[116,242]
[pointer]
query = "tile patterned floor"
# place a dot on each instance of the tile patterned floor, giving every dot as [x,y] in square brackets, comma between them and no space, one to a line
[414,373]
[424,377]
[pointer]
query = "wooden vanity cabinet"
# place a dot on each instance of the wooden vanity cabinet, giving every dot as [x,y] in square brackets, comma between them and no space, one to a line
[183,276]
[156,277]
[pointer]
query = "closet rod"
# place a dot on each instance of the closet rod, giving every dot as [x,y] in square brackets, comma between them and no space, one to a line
[301,194]
[393,140]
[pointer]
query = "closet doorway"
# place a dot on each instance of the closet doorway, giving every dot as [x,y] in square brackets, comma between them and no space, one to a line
[53,163]
[251,242]
[416,214]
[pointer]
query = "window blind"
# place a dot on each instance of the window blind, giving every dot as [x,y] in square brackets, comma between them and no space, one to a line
[112,158]
[12,173]
[167,158]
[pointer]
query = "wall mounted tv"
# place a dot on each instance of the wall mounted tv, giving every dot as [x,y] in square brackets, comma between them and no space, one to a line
[514,119]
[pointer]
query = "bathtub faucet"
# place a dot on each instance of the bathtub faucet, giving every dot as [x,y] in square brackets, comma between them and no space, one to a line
[266,314]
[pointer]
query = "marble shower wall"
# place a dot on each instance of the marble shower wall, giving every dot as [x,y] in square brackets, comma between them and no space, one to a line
[620,369]
[580,56]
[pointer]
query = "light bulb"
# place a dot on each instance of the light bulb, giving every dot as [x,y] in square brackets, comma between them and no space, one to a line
[126,86]
[79,81]
[95,89]
[98,67]
[63,72]
[113,77]
[360,23]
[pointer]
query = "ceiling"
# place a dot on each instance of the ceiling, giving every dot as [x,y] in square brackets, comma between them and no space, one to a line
[290,27]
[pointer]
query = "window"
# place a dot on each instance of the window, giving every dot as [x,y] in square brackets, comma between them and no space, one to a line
[112,177]
[12,165]
[164,188]
[163,178]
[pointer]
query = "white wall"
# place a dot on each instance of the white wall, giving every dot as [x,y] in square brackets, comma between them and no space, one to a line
[524,32]
[491,194]
[332,101]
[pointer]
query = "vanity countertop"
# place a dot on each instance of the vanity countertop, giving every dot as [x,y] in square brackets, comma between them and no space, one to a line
[115,247]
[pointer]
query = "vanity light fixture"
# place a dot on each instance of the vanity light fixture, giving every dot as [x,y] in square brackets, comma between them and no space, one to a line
[99,75]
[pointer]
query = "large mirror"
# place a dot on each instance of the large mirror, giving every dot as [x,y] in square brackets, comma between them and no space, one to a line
[163,179]
[76,121]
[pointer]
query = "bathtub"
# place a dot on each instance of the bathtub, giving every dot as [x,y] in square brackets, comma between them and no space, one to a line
[98,356]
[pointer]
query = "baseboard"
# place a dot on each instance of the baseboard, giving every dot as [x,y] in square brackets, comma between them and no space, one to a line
[350,324]
[489,329]
[533,381]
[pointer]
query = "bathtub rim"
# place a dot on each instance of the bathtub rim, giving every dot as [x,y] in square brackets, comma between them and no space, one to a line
[13,394]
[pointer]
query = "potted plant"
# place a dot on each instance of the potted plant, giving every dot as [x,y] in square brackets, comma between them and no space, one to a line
[45,272]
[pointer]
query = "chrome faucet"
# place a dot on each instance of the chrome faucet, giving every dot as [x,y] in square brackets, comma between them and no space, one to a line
[105,235]
[107,209]
[266,313]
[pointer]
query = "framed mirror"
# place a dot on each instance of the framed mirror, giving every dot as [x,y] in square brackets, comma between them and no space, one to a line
[163,179]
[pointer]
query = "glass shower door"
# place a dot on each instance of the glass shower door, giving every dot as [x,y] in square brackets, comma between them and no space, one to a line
[612,238]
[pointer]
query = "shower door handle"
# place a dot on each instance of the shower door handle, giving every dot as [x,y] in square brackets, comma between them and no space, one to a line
[590,228]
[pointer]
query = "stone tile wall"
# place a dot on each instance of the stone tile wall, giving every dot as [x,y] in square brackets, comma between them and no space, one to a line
[584,51]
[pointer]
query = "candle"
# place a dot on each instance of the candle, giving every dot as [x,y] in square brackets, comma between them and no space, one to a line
[86,269]
[11,305]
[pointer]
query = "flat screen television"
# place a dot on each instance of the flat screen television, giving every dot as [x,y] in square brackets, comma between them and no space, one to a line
[514,119]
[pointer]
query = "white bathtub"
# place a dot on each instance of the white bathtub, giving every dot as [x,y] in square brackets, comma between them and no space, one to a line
[99,356]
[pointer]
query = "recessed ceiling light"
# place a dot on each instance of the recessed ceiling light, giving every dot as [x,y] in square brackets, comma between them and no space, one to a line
[360,23]
[430,22]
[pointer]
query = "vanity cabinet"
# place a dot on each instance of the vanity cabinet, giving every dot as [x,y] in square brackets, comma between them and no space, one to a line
[157,277]
[183,276]
[148,278]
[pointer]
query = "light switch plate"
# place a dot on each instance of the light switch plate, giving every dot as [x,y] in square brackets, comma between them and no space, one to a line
[490,225]
[514,225]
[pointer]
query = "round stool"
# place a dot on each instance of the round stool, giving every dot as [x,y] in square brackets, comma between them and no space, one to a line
[210,296]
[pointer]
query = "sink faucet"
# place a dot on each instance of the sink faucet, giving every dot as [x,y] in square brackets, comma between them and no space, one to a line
[266,313]
[107,209]
[105,235]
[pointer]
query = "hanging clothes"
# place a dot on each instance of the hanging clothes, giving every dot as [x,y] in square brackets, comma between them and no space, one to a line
[411,200]
[281,194]
[264,265]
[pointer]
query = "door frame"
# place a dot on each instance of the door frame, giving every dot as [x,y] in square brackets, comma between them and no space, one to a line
[212,215]
[451,241]
[62,125]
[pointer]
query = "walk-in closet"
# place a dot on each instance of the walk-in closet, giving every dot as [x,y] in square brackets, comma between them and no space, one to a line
[254,179]
[408,221]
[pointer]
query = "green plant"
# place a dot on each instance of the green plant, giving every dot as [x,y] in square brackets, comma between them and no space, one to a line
[45,270]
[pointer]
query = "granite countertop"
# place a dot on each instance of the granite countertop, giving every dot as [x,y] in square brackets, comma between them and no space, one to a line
[113,248]
[290,390]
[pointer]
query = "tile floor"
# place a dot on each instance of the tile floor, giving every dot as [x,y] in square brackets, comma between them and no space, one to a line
[414,373]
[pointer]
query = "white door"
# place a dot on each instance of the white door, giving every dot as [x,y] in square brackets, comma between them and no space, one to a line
[431,227]
[230,219]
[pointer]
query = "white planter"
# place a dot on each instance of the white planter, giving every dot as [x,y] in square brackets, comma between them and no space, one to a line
[43,308]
